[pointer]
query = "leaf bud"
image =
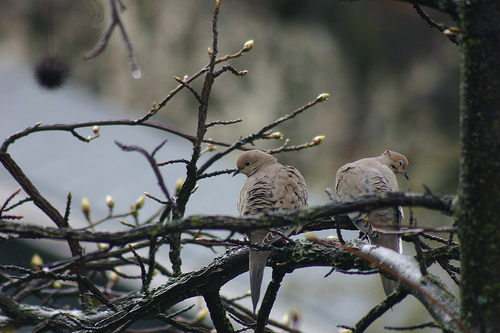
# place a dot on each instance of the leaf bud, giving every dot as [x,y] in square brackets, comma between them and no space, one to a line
[323,97]
[275,135]
[36,261]
[114,277]
[140,202]
[248,46]
[110,202]
[201,315]
[102,246]
[179,184]
[86,207]
[318,139]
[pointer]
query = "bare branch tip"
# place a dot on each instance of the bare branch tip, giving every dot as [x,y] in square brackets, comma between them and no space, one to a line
[122,146]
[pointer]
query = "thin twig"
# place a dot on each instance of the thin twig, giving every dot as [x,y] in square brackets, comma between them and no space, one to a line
[3,208]
[284,148]
[103,42]
[227,122]
[269,298]
[180,160]
[446,31]
[378,311]
[231,69]
[145,283]
[152,163]
[156,107]
[260,134]
[126,122]
[216,173]
[188,87]
[412,328]
[68,208]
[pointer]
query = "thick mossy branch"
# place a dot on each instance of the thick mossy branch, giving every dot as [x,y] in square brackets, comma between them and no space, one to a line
[208,280]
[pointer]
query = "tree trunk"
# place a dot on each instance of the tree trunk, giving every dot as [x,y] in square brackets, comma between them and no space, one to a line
[478,209]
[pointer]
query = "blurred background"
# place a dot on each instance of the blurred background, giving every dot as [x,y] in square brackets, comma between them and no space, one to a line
[393,84]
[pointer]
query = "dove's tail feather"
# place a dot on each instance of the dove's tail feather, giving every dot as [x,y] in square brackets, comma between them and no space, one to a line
[391,242]
[389,285]
[257,262]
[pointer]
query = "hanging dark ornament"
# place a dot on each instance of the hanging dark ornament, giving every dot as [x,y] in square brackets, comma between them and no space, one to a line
[50,71]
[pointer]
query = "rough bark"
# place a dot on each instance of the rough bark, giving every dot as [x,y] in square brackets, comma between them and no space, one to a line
[478,208]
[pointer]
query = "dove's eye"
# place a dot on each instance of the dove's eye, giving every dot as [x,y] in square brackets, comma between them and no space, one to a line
[400,163]
[247,163]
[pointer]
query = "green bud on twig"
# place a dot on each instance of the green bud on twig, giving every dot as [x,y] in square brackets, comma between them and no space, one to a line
[102,246]
[36,261]
[318,139]
[114,277]
[110,202]
[133,210]
[140,202]
[86,207]
[248,46]
[211,147]
[275,135]
[201,315]
[323,97]
[179,184]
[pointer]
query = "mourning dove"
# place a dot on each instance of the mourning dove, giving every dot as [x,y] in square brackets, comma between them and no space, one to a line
[374,175]
[270,187]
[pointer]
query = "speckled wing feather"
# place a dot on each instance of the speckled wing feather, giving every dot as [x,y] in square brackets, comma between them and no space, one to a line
[365,177]
[272,188]
[370,176]
[277,188]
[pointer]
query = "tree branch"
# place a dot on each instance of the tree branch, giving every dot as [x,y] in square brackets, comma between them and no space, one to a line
[103,42]
[302,216]
[445,30]
[449,7]
[208,280]
[269,298]
[378,311]
[261,133]
[428,289]
[217,311]
[125,122]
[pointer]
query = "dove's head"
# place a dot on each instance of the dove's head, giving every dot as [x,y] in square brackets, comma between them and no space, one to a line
[396,161]
[249,162]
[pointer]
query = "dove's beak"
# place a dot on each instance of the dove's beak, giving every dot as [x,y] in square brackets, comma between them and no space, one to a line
[406,175]
[236,172]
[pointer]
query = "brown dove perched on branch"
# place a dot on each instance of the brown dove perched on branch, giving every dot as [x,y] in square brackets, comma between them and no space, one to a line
[270,187]
[374,175]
